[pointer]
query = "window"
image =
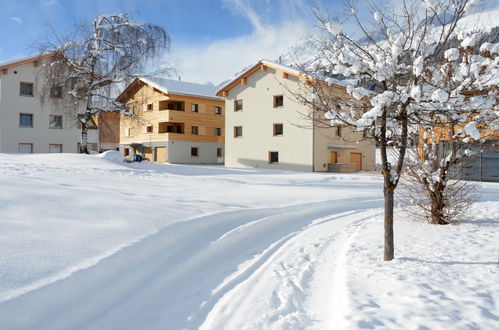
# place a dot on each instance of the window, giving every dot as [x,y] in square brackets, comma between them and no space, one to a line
[126,152]
[195,130]
[194,152]
[149,129]
[55,148]
[56,91]
[149,107]
[238,131]
[26,120]
[218,131]
[55,121]
[195,107]
[238,105]
[278,101]
[171,105]
[26,89]
[219,152]
[278,129]
[218,110]
[273,157]
[338,131]
[26,148]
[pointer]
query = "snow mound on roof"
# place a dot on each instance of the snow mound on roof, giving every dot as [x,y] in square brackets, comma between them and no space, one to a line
[181,87]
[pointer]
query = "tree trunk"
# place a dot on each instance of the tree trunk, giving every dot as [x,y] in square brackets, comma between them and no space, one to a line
[437,206]
[84,138]
[389,192]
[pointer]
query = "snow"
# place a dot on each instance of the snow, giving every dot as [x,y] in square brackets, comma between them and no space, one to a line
[472,131]
[440,95]
[182,87]
[452,54]
[88,241]
[333,27]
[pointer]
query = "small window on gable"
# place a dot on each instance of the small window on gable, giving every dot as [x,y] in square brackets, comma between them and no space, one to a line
[26,120]
[195,130]
[149,129]
[55,121]
[149,107]
[195,107]
[238,105]
[278,101]
[194,152]
[218,110]
[238,131]
[26,89]
[273,157]
[278,129]
[56,91]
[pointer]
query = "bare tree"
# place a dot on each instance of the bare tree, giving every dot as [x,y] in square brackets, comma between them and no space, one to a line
[90,65]
[383,65]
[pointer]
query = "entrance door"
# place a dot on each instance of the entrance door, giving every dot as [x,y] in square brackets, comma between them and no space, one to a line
[148,153]
[334,157]
[356,158]
[161,155]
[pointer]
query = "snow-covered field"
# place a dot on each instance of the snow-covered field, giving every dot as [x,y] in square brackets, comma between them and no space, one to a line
[89,242]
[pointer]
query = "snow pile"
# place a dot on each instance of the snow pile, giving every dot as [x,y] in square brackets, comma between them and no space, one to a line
[111,155]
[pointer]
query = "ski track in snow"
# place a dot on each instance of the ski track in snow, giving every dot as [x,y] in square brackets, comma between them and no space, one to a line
[225,258]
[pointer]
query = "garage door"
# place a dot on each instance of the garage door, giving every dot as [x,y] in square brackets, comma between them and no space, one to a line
[356,158]
[161,155]
[148,153]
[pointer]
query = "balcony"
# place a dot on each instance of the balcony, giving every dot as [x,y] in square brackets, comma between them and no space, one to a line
[171,127]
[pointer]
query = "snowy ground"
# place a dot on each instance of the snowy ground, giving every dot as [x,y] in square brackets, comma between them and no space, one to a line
[90,242]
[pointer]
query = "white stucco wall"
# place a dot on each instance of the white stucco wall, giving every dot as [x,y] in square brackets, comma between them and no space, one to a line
[40,135]
[257,119]
[179,152]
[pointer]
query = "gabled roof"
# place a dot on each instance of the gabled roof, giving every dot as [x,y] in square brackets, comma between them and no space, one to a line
[169,86]
[262,65]
[21,61]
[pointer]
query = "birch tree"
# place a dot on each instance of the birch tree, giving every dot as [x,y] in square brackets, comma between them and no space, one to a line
[383,65]
[89,66]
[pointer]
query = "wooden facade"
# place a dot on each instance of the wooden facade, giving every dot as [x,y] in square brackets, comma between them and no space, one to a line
[158,116]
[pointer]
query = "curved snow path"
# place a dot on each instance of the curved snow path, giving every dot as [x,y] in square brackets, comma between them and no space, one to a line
[217,271]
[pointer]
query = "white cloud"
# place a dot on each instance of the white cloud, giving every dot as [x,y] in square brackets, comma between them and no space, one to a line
[219,60]
[16,19]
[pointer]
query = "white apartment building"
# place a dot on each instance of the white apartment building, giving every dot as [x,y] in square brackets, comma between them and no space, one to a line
[27,126]
[266,127]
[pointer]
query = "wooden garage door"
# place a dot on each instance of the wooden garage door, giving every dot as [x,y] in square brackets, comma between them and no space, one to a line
[334,157]
[356,158]
[161,155]
[148,154]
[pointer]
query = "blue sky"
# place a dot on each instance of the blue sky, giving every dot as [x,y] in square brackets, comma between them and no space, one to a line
[211,39]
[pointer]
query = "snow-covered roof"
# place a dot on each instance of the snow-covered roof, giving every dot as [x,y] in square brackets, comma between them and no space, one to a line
[274,65]
[22,60]
[170,86]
